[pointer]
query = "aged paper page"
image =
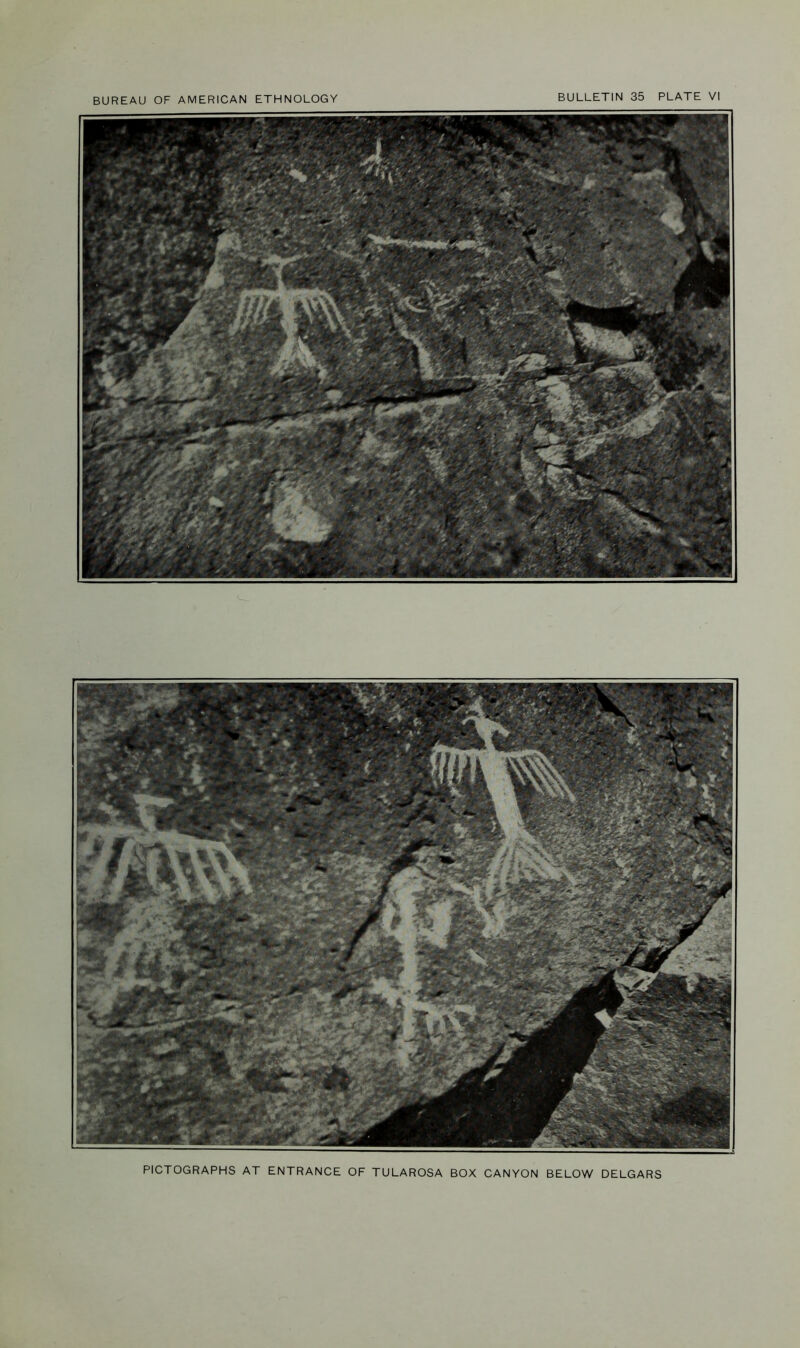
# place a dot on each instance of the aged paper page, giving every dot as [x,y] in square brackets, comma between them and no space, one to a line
[227,769]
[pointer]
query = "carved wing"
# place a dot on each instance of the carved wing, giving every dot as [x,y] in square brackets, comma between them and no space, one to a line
[535,769]
[447,765]
[203,853]
[254,307]
[314,302]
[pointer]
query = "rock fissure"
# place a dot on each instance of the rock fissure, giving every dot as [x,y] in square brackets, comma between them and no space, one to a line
[660,1077]
[653,957]
[507,1106]
[347,913]
[650,522]
[511,1104]
[473,256]
[608,704]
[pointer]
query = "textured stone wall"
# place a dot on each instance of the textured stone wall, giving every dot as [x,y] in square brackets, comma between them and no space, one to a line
[398,347]
[263,1015]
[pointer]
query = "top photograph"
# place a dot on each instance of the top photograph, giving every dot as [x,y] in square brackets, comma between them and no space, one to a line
[406,347]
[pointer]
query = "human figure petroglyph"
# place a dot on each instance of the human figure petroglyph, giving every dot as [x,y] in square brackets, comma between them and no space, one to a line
[520,855]
[147,845]
[403,922]
[290,302]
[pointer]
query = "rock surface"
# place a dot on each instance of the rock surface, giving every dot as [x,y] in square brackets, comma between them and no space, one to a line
[660,1076]
[380,309]
[270,1014]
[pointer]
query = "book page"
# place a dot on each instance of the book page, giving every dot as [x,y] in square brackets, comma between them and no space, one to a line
[399,737]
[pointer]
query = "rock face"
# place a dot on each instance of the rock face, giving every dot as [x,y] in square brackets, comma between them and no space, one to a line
[291,932]
[660,1077]
[389,319]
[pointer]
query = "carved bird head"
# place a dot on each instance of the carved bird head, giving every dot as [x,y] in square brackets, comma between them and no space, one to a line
[146,807]
[485,727]
[281,263]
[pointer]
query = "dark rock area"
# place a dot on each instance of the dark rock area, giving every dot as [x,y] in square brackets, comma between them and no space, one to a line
[406,347]
[259,999]
[661,1075]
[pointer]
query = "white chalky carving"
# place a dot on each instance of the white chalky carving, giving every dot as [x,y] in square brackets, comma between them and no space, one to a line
[432,299]
[256,305]
[213,867]
[520,856]
[147,952]
[430,245]
[376,164]
[400,920]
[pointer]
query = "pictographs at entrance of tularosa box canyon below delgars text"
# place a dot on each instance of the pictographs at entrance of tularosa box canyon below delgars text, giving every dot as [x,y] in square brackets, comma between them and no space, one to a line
[404,914]
[465,347]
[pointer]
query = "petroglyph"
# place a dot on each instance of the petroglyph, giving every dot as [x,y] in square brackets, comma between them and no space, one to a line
[147,952]
[256,305]
[213,867]
[430,245]
[432,299]
[520,856]
[401,921]
[376,164]
[271,285]
[427,369]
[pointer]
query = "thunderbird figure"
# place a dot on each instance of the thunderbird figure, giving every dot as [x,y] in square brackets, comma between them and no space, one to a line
[520,856]
[213,867]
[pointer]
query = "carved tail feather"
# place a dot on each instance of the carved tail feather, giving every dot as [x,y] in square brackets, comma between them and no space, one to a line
[521,857]
[295,352]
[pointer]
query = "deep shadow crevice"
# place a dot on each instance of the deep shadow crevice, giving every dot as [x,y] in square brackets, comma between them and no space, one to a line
[509,1107]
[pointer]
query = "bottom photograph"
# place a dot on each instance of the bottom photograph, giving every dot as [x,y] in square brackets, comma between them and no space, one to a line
[411,914]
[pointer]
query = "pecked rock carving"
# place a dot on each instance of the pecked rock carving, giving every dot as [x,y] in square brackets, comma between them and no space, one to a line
[378,165]
[213,867]
[255,306]
[402,921]
[521,856]
[554,278]
[358,945]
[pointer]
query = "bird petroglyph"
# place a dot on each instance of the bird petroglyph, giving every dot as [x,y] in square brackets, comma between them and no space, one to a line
[213,867]
[520,856]
[290,303]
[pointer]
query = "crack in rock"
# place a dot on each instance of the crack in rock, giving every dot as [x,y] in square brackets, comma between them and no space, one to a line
[509,1107]
[504,250]
[509,1099]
